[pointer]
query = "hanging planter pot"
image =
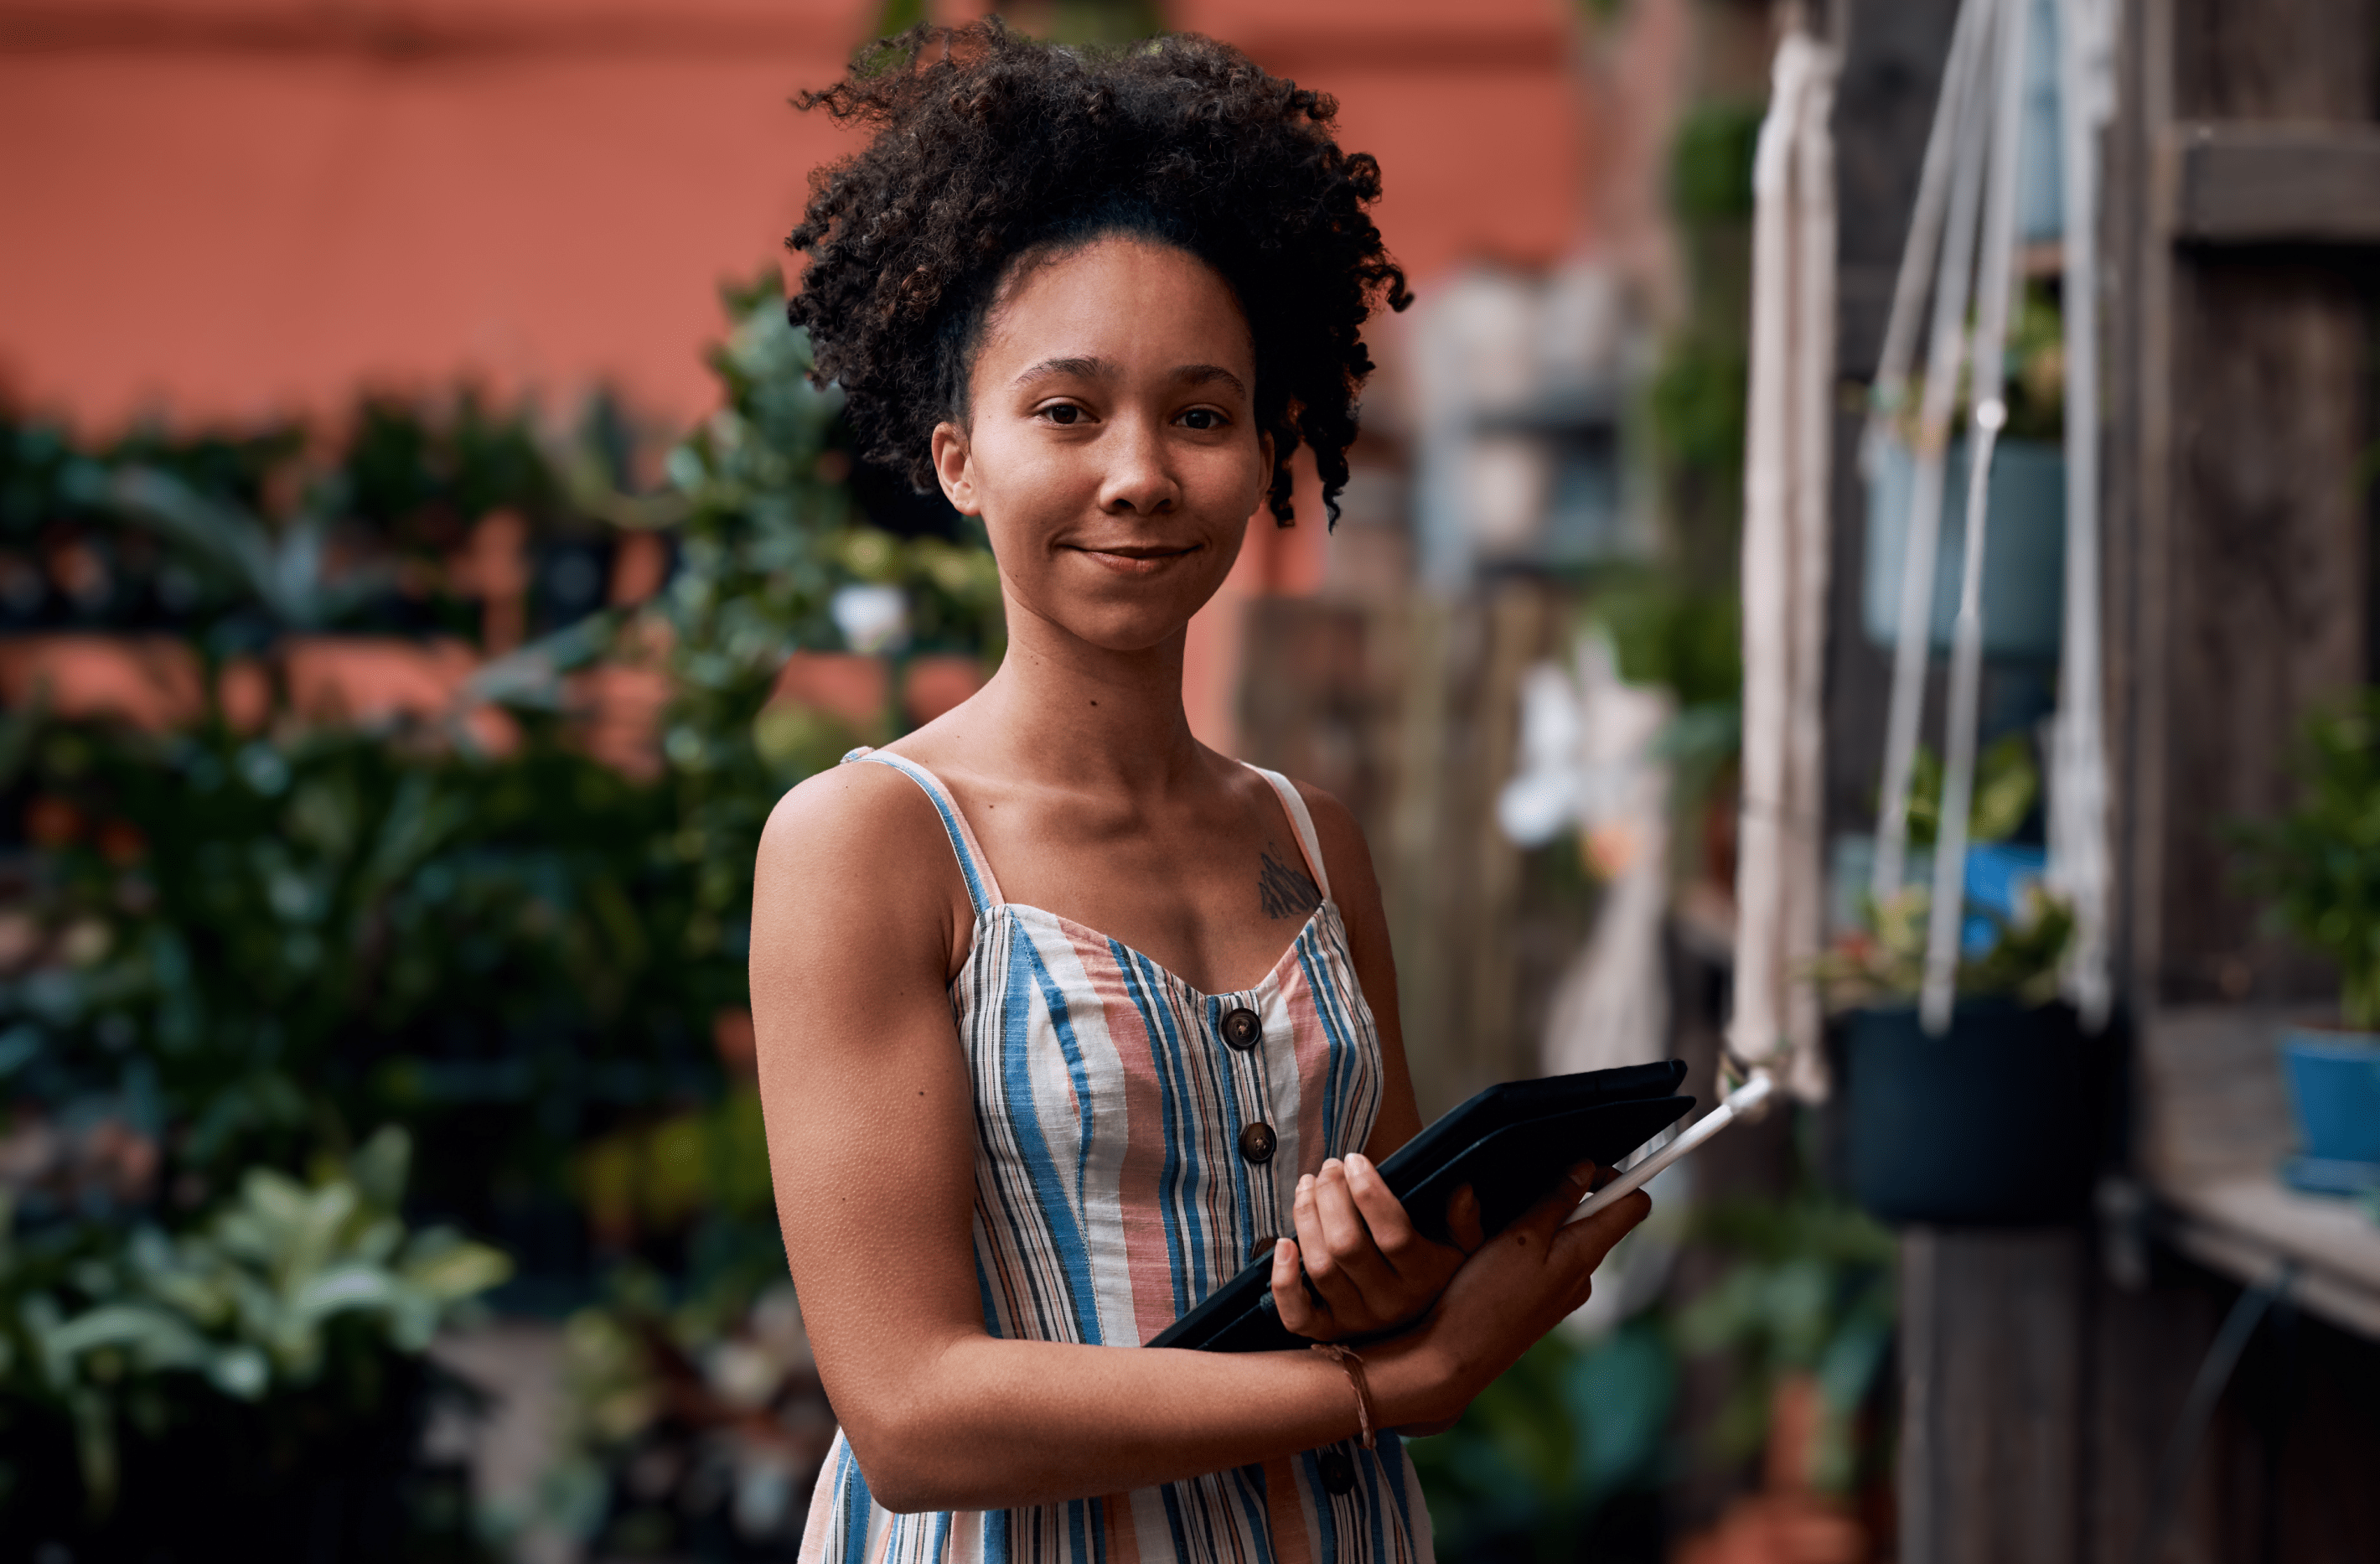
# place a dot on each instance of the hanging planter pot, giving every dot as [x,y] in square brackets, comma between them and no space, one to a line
[2024,547]
[2000,1123]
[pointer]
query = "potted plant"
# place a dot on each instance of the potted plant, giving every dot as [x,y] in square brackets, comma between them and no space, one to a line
[2024,548]
[1998,1121]
[257,1381]
[2319,865]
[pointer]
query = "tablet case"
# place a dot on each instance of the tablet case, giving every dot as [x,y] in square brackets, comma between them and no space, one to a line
[1512,1143]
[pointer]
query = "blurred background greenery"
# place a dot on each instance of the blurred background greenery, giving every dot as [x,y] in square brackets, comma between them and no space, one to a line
[377,801]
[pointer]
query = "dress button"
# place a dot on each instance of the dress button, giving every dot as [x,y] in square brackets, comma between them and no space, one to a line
[1242,1029]
[1257,1142]
[1337,1472]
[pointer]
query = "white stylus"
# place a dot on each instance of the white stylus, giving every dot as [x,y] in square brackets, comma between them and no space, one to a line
[1749,1095]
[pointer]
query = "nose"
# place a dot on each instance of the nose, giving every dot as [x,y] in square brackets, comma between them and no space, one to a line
[1139,477]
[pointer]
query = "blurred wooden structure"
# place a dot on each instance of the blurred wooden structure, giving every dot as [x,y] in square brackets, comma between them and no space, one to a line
[2043,1373]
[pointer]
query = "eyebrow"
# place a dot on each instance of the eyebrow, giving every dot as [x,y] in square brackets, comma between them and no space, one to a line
[1099,368]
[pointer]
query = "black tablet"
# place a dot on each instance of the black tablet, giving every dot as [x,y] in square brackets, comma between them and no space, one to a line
[1512,1143]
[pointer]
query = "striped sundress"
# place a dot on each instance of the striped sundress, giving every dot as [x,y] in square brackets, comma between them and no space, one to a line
[1112,1104]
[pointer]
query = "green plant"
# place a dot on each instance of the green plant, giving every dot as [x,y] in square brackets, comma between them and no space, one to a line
[2008,781]
[281,1287]
[1885,961]
[2319,865]
[1540,1451]
[1810,1291]
[689,1415]
[2033,361]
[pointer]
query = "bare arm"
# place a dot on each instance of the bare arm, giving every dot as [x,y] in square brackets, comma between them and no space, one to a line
[871,1144]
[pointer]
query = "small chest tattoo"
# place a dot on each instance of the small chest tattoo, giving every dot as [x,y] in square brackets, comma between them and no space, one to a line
[1284,890]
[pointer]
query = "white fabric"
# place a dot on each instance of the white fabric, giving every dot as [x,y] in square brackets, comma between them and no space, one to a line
[1995,279]
[1965,124]
[1612,1006]
[1786,447]
[2079,860]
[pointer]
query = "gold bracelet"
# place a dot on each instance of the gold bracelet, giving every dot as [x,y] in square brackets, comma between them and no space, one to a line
[1354,1367]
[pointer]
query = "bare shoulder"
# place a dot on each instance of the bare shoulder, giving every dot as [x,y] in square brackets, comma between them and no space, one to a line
[856,853]
[1344,852]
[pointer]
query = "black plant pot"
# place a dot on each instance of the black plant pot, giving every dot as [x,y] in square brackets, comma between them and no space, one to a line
[2000,1122]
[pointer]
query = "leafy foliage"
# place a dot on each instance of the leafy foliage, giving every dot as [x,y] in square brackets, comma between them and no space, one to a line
[224,943]
[1710,165]
[1886,960]
[2008,782]
[690,1426]
[1540,1451]
[2319,865]
[266,1296]
[1811,1292]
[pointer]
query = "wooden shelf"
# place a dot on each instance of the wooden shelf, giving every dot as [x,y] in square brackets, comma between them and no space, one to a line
[2237,183]
[2248,1226]
[2214,1128]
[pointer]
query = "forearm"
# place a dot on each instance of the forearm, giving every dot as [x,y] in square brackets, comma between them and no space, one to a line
[983,1424]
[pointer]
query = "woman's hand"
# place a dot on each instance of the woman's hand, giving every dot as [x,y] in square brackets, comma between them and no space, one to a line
[1517,1287]
[1370,1270]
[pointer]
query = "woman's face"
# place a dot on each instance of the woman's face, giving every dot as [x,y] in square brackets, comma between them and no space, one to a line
[1111,447]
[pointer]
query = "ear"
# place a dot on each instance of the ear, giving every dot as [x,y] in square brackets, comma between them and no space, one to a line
[953,469]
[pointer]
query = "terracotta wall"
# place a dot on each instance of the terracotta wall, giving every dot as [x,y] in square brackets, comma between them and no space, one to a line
[224,207]
[221,209]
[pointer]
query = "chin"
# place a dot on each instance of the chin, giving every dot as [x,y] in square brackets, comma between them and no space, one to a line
[1127,634]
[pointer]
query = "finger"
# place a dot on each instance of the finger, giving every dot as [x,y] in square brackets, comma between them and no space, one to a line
[1537,1226]
[1586,1242]
[1290,1299]
[1384,1213]
[1463,1222]
[1321,1273]
[1353,1275]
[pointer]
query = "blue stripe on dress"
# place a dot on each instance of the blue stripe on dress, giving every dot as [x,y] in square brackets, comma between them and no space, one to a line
[856,1505]
[1392,1467]
[1016,1080]
[952,825]
[1252,1509]
[1172,1059]
[1054,1000]
[1327,1002]
[1169,1186]
[1367,1465]
[1326,1509]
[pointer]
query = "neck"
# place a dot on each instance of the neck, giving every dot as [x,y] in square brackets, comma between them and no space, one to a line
[1063,711]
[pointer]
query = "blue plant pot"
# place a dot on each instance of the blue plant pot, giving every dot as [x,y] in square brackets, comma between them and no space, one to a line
[2335,1088]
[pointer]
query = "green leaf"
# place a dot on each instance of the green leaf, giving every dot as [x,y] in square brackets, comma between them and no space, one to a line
[450,1267]
[381,1165]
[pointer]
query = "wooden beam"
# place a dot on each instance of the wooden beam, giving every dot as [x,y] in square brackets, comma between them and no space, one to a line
[2240,183]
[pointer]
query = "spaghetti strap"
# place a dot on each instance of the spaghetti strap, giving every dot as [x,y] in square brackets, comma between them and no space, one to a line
[1293,804]
[983,890]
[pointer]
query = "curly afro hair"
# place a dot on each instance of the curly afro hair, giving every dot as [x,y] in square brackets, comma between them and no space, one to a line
[990,147]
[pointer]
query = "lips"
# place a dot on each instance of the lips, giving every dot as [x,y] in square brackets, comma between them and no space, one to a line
[1135,559]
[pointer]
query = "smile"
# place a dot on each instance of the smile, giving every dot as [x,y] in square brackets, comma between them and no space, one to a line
[1135,559]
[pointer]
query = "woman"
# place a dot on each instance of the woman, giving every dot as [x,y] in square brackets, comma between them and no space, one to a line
[1062,1016]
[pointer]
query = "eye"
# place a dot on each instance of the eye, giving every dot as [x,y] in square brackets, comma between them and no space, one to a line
[1203,418]
[1063,414]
